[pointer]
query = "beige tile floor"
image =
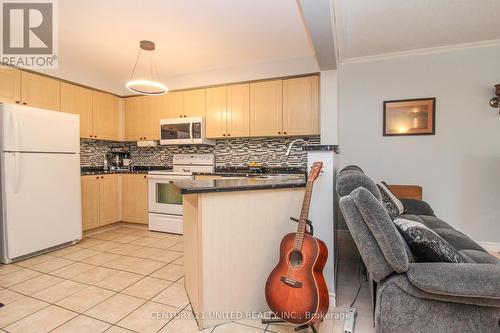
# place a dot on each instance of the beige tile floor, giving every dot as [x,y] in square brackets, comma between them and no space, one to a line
[126,279]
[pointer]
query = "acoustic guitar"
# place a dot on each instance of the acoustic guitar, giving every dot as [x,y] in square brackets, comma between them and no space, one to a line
[296,290]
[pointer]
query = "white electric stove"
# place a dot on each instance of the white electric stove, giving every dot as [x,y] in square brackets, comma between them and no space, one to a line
[164,201]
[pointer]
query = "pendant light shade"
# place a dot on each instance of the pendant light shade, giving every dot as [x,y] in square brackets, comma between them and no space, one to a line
[147,82]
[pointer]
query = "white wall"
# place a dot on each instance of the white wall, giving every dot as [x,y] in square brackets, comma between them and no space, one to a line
[328,107]
[459,167]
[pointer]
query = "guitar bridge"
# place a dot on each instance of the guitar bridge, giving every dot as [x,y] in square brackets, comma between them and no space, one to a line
[291,282]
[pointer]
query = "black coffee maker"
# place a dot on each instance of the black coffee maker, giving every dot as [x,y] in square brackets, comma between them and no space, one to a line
[119,159]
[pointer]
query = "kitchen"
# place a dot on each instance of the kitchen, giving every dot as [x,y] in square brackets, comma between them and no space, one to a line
[110,245]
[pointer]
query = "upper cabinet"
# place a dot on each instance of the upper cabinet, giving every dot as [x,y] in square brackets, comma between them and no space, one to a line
[173,105]
[266,108]
[78,100]
[10,85]
[285,107]
[238,110]
[40,91]
[301,106]
[194,103]
[142,117]
[216,106]
[106,113]
[228,111]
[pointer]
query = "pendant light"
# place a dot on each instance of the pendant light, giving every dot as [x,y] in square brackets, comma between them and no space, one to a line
[146,85]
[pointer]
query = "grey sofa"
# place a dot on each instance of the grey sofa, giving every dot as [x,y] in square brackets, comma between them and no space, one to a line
[411,296]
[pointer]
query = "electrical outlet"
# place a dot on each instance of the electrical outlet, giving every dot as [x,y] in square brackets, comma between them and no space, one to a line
[350,317]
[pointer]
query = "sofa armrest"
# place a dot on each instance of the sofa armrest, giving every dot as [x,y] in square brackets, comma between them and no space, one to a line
[463,280]
[417,207]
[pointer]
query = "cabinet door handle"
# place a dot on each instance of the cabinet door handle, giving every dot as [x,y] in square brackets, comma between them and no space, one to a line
[145,177]
[180,115]
[223,134]
[24,103]
[284,132]
[279,132]
[228,134]
[97,177]
[102,177]
[17,102]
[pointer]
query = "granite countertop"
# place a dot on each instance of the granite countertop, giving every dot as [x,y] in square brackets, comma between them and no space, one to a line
[255,182]
[242,171]
[85,171]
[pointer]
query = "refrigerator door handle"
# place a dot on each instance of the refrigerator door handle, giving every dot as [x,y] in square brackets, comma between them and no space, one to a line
[17,162]
[17,172]
[15,129]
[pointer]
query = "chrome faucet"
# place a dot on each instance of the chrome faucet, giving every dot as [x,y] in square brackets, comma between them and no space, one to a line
[289,150]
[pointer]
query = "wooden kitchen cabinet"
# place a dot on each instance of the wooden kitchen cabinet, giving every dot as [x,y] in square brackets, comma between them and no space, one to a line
[108,199]
[266,108]
[194,103]
[216,106]
[228,111]
[301,106]
[135,198]
[173,106]
[100,200]
[10,85]
[78,100]
[106,115]
[142,117]
[40,91]
[238,110]
[90,202]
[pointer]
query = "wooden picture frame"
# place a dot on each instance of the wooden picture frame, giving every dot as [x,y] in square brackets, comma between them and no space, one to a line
[410,117]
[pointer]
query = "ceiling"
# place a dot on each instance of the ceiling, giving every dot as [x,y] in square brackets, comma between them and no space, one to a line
[99,40]
[368,27]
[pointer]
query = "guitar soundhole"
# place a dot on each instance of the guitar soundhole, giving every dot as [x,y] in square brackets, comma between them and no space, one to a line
[295,258]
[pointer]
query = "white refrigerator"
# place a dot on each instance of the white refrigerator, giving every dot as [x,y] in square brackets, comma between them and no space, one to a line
[40,197]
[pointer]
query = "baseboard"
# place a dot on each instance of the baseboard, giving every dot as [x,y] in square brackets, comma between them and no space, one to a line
[490,246]
[333,302]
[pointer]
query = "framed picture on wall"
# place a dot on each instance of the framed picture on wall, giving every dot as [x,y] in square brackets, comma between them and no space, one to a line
[410,117]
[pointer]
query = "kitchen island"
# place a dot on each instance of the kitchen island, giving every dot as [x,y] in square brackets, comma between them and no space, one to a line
[232,231]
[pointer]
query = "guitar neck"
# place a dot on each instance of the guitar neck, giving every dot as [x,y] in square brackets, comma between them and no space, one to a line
[304,214]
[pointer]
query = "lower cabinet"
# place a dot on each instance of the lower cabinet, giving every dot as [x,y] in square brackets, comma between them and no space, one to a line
[135,198]
[100,200]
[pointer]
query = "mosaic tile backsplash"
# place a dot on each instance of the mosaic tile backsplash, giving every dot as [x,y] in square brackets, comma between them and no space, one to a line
[228,152]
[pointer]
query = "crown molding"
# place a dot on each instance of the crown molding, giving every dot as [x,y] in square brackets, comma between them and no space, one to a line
[424,51]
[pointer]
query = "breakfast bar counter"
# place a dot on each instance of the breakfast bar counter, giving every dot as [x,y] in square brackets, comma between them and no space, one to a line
[241,183]
[232,232]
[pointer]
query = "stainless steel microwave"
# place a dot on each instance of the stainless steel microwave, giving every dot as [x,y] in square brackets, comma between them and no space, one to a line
[183,131]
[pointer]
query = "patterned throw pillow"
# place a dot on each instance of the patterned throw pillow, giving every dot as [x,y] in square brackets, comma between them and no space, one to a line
[392,204]
[425,244]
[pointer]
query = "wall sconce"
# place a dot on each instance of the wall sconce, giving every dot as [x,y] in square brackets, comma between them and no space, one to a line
[495,101]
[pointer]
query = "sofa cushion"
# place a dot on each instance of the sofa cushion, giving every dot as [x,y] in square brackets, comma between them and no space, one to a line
[417,207]
[465,280]
[392,204]
[430,222]
[426,245]
[352,177]
[480,257]
[380,224]
[457,239]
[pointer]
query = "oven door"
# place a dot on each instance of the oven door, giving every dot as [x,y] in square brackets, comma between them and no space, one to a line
[163,197]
